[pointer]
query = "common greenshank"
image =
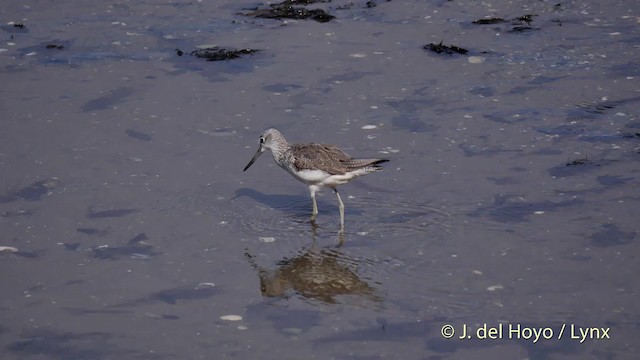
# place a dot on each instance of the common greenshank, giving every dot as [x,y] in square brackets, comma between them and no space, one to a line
[317,165]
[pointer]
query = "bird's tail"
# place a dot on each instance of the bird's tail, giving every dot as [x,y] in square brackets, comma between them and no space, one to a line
[368,165]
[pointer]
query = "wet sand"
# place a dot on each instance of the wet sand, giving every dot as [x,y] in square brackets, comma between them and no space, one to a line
[129,230]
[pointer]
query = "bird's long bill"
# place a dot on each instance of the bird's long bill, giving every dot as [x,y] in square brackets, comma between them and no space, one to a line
[257,155]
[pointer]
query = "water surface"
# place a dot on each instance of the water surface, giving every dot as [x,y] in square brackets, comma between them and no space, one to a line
[511,196]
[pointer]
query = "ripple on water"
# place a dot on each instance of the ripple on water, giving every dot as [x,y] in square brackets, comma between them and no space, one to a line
[391,244]
[252,212]
[372,216]
[397,217]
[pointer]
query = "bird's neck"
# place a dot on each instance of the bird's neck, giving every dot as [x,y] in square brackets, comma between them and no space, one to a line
[280,154]
[279,147]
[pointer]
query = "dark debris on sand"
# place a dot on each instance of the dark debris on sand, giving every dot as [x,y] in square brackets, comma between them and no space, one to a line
[520,24]
[489,21]
[15,28]
[288,10]
[216,53]
[580,161]
[445,49]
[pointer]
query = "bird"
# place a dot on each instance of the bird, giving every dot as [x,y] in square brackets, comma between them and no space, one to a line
[316,165]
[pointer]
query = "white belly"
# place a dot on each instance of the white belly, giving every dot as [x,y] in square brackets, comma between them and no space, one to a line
[323,179]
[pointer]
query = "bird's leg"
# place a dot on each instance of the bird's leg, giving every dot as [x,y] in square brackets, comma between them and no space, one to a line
[312,190]
[340,238]
[341,206]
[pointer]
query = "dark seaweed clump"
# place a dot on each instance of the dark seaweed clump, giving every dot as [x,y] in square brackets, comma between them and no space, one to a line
[528,18]
[445,49]
[580,161]
[520,28]
[489,21]
[301,2]
[218,54]
[15,28]
[520,23]
[286,10]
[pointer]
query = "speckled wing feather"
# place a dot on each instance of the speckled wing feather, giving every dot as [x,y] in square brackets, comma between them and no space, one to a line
[330,159]
[323,157]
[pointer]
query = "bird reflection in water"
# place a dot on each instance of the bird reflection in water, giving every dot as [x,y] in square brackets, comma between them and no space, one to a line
[321,274]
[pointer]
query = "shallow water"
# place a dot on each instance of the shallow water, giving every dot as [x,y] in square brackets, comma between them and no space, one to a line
[130,231]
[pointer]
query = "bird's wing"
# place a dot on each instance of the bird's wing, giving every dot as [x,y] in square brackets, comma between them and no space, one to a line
[323,157]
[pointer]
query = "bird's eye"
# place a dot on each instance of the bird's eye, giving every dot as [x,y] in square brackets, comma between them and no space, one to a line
[261,140]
